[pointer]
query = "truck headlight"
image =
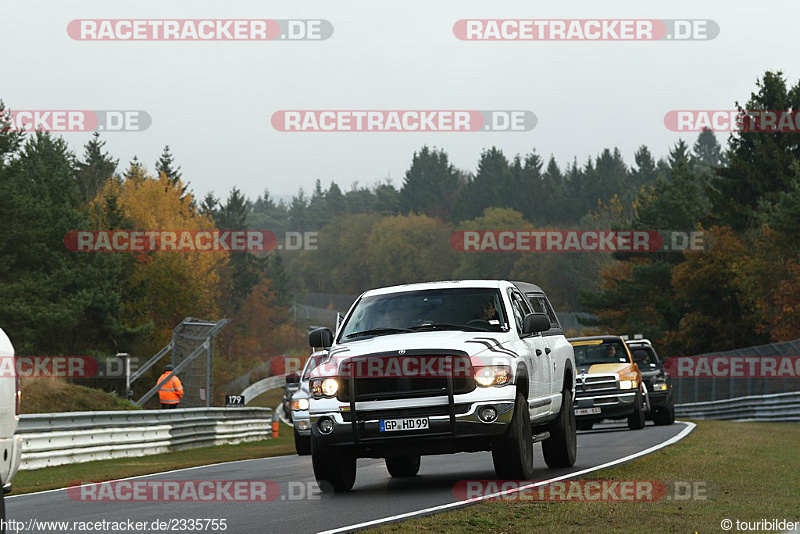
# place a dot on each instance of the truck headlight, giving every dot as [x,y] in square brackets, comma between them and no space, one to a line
[324,387]
[493,375]
[627,384]
[300,404]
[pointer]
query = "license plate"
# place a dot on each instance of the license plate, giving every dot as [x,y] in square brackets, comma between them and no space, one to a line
[587,411]
[400,425]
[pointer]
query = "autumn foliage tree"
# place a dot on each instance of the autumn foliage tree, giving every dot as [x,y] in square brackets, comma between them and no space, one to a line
[163,287]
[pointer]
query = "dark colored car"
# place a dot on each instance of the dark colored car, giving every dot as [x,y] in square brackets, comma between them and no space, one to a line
[658,382]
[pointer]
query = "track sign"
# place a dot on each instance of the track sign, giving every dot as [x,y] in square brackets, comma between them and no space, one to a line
[234,401]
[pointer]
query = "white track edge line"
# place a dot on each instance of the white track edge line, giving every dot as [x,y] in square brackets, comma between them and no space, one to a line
[150,474]
[428,511]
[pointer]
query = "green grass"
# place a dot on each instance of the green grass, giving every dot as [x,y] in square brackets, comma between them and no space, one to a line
[268,399]
[62,476]
[751,470]
[51,395]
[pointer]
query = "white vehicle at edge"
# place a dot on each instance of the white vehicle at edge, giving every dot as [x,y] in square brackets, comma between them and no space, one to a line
[10,445]
[300,404]
[516,385]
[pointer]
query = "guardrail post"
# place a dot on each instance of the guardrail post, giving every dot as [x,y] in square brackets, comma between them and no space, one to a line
[126,369]
[209,374]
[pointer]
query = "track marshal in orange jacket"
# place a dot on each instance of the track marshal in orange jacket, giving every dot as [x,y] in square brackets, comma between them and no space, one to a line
[171,391]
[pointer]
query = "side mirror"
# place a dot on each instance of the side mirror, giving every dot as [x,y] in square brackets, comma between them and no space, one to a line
[535,322]
[321,337]
[292,378]
[640,356]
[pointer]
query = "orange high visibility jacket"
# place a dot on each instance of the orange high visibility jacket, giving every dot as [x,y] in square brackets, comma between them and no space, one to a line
[171,391]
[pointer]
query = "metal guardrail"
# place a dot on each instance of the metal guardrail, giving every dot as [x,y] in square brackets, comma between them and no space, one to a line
[696,389]
[74,437]
[254,390]
[780,407]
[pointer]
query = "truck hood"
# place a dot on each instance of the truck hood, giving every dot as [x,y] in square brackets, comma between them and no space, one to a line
[603,368]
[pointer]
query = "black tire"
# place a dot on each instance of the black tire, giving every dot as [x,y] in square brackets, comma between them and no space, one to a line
[403,466]
[334,467]
[584,425]
[636,420]
[302,444]
[561,448]
[512,453]
[665,416]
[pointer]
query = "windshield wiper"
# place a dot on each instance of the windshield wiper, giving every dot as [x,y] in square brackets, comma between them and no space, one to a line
[378,332]
[449,326]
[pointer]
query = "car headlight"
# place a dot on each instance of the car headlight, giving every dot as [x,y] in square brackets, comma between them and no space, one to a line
[660,386]
[492,375]
[300,404]
[324,387]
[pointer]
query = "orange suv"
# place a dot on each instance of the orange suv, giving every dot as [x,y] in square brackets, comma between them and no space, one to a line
[609,383]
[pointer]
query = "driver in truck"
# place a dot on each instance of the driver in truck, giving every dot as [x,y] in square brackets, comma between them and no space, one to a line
[489,312]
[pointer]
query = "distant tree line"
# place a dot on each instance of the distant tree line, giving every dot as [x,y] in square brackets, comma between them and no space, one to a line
[743,290]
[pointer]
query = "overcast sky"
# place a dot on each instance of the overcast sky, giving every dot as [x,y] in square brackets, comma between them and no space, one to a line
[212,101]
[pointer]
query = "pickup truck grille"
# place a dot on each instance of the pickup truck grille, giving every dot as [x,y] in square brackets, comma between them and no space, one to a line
[385,388]
[596,383]
[425,411]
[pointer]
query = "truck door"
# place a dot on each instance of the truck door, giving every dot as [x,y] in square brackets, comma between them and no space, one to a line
[536,355]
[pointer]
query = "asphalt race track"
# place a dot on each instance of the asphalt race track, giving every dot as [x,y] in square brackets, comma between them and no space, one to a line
[375,495]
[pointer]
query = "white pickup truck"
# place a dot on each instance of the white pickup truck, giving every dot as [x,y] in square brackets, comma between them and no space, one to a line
[440,368]
[10,445]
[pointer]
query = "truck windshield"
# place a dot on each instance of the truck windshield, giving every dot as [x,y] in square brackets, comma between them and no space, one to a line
[600,352]
[469,309]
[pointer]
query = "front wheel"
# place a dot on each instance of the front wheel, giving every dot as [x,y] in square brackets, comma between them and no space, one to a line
[403,466]
[561,448]
[512,453]
[334,467]
[637,418]
[665,416]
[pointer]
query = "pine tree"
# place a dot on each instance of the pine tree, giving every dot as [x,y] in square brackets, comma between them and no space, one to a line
[10,140]
[706,153]
[244,270]
[135,170]
[431,184]
[97,167]
[761,163]
[645,172]
[166,165]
